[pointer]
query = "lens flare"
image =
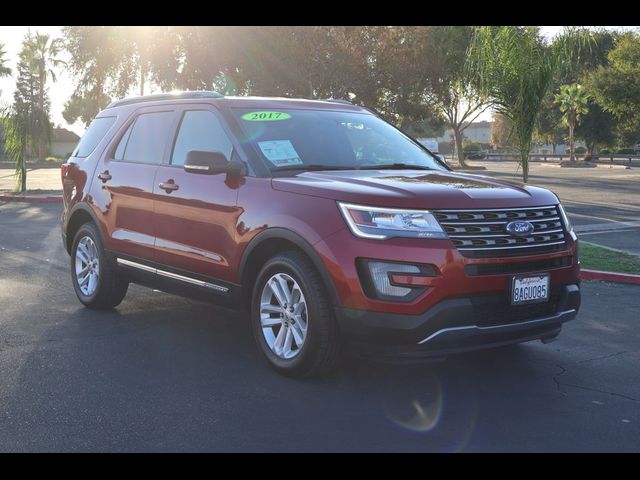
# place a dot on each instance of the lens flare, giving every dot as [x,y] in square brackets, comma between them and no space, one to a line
[421,413]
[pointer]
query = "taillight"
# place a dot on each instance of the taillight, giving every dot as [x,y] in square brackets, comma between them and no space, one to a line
[64,170]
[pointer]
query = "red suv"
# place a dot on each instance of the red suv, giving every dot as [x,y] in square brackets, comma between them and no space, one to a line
[331,227]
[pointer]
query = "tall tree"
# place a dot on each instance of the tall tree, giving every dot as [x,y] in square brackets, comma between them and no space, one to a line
[97,61]
[147,51]
[501,133]
[15,132]
[450,91]
[549,129]
[25,124]
[4,70]
[616,87]
[597,128]
[516,68]
[573,101]
[43,55]
[27,101]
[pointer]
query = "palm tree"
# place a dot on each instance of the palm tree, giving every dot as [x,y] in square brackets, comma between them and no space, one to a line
[4,71]
[516,68]
[574,102]
[15,135]
[43,52]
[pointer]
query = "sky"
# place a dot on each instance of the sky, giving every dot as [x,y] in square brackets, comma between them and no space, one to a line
[61,90]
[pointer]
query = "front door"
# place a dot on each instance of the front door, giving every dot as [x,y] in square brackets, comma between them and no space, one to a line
[196,214]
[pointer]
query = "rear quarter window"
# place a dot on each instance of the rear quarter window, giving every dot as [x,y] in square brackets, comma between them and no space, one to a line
[96,132]
[145,139]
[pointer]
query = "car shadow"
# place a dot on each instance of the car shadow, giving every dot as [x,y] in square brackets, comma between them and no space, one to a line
[165,373]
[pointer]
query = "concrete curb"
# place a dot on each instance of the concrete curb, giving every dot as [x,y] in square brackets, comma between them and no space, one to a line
[610,276]
[29,199]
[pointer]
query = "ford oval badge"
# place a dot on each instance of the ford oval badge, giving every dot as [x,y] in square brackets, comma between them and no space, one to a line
[520,228]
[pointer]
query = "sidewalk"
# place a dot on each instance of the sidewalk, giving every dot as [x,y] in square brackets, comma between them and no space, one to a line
[46,179]
[33,196]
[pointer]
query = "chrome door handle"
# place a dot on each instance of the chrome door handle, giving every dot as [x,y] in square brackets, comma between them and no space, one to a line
[104,176]
[169,186]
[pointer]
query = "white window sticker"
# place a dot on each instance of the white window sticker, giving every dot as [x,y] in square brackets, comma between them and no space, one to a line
[280,152]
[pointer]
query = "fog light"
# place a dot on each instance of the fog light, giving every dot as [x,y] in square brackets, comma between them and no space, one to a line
[394,280]
[382,280]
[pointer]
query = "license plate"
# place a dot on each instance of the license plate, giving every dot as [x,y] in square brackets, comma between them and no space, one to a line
[530,289]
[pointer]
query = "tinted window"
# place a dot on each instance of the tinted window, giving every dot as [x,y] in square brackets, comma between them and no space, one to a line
[200,130]
[351,140]
[96,132]
[146,138]
[119,155]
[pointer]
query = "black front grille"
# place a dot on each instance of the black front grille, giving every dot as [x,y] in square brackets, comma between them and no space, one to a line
[520,267]
[482,233]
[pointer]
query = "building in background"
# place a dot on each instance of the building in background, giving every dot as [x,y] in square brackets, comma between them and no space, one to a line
[479,132]
[63,142]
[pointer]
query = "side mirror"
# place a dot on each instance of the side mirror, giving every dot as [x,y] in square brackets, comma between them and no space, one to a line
[208,163]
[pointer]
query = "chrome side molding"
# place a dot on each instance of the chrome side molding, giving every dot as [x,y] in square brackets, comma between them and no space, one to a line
[194,281]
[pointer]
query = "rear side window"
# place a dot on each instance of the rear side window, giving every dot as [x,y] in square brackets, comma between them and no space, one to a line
[96,132]
[145,139]
[200,130]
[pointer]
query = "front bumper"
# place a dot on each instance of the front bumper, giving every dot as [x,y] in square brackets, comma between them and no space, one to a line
[458,324]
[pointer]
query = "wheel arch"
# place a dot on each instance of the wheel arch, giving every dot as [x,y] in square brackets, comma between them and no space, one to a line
[270,242]
[79,215]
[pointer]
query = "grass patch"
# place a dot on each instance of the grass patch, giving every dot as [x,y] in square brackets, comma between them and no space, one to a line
[597,258]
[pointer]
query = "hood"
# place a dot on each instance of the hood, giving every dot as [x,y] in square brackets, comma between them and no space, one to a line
[415,189]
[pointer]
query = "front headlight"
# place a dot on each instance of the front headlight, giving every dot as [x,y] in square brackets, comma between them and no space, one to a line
[565,218]
[382,223]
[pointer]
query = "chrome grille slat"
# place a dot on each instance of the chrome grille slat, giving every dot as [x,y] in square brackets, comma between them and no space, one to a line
[499,223]
[483,230]
[491,235]
[546,207]
[521,246]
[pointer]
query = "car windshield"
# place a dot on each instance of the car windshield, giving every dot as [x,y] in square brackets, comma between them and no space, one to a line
[289,139]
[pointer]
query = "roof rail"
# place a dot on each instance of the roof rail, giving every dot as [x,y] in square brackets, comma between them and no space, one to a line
[338,100]
[165,96]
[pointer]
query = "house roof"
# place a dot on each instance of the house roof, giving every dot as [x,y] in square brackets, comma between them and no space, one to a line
[63,135]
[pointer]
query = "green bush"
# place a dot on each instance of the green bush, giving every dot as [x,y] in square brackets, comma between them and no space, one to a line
[626,151]
[472,147]
[576,150]
[474,151]
[604,151]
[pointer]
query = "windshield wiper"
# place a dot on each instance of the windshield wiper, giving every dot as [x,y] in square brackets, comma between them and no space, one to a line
[394,166]
[312,167]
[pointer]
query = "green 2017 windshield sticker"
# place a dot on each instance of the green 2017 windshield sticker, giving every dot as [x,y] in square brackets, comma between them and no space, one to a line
[265,116]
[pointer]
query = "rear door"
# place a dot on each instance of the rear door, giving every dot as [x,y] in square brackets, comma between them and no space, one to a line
[126,174]
[196,217]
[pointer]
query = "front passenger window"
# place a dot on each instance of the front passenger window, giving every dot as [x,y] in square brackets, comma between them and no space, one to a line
[200,130]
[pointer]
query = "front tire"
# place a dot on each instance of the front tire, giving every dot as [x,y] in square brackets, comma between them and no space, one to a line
[97,282]
[291,317]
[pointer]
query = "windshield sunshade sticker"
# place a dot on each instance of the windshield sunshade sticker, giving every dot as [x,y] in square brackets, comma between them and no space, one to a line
[265,116]
[280,152]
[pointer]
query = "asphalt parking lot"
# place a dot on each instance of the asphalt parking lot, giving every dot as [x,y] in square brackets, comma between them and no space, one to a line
[162,373]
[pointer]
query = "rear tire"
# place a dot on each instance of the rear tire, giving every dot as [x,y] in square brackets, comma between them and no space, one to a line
[300,339]
[97,282]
